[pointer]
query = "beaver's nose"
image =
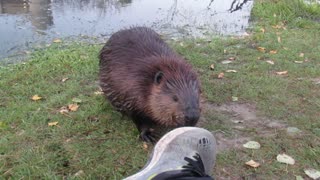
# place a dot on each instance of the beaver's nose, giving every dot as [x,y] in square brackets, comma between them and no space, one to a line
[191,118]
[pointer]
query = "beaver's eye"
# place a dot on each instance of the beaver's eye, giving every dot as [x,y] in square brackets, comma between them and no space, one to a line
[175,98]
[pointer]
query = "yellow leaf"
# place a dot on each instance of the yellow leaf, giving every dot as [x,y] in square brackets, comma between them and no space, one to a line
[282,72]
[232,58]
[98,92]
[73,107]
[301,55]
[36,97]
[53,123]
[273,52]
[270,62]
[261,49]
[212,66]
[145,146]
[279,39]
[231,71]
[253,164]
[262,30]
[298,62]
[221,75]
[57,40]
[64,79]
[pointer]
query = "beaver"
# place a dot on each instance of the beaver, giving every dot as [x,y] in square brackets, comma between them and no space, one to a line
[144,79]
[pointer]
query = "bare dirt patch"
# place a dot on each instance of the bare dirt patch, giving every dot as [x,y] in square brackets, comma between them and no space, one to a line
[244,123]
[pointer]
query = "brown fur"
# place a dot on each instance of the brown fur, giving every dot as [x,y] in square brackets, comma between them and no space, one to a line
[142,77]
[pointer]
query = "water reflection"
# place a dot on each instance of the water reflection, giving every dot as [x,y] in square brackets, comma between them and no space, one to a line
[28,22]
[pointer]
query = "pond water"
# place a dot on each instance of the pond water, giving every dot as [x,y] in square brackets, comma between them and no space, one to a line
[25,24]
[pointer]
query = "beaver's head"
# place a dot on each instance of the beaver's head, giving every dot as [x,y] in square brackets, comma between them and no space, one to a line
[175,96]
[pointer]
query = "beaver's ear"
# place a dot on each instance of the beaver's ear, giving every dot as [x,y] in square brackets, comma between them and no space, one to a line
[158,77]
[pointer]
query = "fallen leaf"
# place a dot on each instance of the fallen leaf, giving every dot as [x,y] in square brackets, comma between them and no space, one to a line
[64,110]
[270,62]
[79,173]
[282,72]
[273,52]
[234,98]
[232,58]
[301,55]
[73,107]
[76,100]
[312,173]
[262,30]
[53,123]
[252,145]
[261,49]
[279,39]
[57,40]
[36,97]
[145,146]
[221,75]
[224,51]
[231,71]
[64,79]
[293,130]
[253,164]
[98,92]
[299,178]
[181,44]
[212,66]
[226,62]
[283,158]
[298,62]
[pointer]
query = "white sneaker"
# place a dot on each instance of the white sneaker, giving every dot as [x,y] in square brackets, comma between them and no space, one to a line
[183,153]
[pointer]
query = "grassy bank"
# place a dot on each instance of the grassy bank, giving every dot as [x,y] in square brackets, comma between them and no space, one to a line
[94,142]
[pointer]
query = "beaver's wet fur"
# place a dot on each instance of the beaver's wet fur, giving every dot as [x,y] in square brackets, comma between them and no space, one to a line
[145,79]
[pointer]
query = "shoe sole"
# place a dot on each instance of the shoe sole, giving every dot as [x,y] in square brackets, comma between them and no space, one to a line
[207,142]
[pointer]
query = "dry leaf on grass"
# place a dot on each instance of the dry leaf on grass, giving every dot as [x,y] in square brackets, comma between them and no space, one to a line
[262,30]
[273,52]
[73,107]
[298,62]
[221,75]
[57,40]
[232,58]
[226,62]
[53,123]
[301,55]
[231,71]
[312,173]
[36,97]
[270,62]
[279,39]
[234,98]
[253,164]
[282,73]
[261,49]
[283,158]
[64,79]
[252,145]
[98,92]
[145,146]
[212,66]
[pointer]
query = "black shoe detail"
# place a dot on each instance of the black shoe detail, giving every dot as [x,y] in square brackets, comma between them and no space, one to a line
[194,170]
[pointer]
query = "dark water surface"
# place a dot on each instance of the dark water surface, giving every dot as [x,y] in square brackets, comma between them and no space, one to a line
[25,24]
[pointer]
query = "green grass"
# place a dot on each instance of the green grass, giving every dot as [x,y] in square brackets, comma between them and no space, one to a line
[97,143]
